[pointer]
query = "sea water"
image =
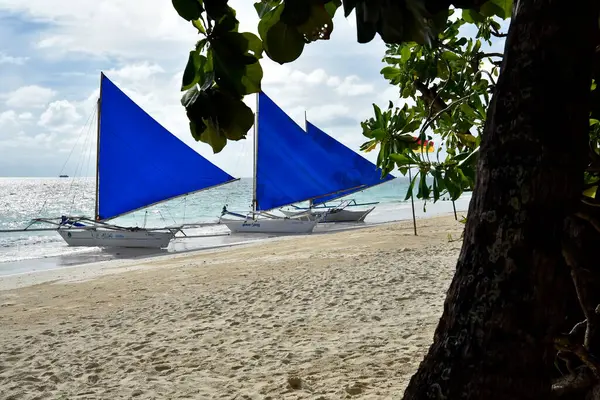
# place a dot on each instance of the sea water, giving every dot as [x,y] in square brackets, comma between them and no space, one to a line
[23,199]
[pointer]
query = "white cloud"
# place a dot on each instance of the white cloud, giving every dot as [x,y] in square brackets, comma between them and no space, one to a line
[7,118]
[144,50]
[59,115]
[26,116]
[30,96]
[10,117]
[351,86]
[6,59]
[135,72]
[328,112]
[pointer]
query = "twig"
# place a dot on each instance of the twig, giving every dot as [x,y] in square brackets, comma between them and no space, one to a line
[489,75]
[492,55]
[563,343]
[449,106]
[499,34]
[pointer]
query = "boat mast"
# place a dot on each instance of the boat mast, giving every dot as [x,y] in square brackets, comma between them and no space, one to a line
[254,199]
[310,201]
[96,216]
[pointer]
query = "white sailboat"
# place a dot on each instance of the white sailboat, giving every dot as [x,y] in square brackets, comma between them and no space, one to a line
[354,171]
[139,164]
[288,169]
[335,213]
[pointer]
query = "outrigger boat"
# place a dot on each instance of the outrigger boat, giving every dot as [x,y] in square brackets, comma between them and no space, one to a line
[289,168]
[139,164]
[332,213]
[357,174]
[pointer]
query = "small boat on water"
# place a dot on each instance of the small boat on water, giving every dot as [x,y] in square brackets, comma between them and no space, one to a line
[63,176]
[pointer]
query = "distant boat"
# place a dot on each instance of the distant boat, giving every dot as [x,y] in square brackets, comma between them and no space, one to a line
[63,176]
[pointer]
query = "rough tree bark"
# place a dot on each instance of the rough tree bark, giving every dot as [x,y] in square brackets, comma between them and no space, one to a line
[507,299]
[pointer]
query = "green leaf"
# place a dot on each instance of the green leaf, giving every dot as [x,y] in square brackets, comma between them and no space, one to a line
[450,56]
[409,192]
[378,134]
[284,43]
[217,116]
[201,44]
[255,45]
[190,96]
[236,68]
[213,137]
[263,7]
[477,46]
[227,23]
[412,126]
[401,160]
[332,6]
[198,25]
[189,10]
[405,54]
[319,24]
[268,20]
[196,129]
[216,9]
[468,111]
[436,190]
[390,73]
[452,182]
[461,42]
[442,70]
[194,70]
[252,78]
[237,120]
[506,6]
[490,8]
[378,115]
[472,16]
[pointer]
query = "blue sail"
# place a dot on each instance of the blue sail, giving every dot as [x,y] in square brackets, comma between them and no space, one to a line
[351,166]
[140,163]
[290,167]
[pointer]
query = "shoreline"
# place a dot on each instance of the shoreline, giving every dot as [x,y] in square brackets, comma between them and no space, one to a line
[313,316]
[89,266]
[385,213]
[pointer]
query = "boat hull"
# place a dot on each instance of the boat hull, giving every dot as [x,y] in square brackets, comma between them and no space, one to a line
[115,238]
[270,226]
[331,216]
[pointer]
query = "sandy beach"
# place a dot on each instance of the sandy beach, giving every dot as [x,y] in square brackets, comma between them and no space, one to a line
[332,316]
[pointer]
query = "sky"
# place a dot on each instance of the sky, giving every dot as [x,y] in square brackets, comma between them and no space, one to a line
[52,53]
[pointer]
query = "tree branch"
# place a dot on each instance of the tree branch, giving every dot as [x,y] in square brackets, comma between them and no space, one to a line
[577,382]
[489,76]
[492,55]
[448,107]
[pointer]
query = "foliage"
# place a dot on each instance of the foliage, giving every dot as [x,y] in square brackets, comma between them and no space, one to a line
[448,84]
[225,65]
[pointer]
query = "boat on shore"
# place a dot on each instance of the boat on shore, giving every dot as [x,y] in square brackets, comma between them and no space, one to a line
[139,164]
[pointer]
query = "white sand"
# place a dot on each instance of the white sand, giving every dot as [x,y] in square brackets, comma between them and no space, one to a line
[342,315]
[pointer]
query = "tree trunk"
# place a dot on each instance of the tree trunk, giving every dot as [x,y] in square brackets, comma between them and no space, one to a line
[511,289]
